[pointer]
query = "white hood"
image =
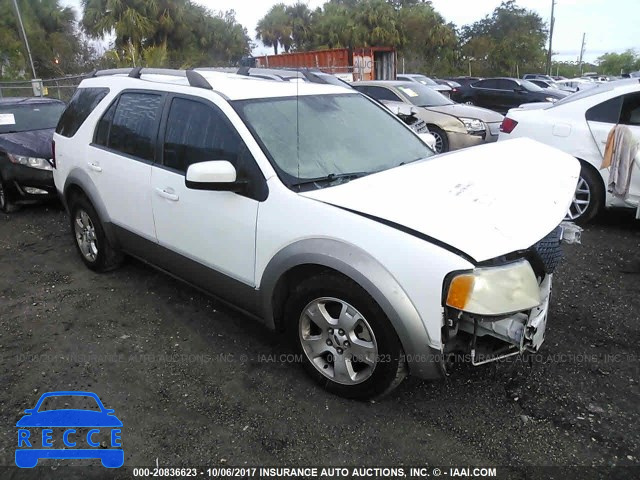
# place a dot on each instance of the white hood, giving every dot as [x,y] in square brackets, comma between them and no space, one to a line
[486,201]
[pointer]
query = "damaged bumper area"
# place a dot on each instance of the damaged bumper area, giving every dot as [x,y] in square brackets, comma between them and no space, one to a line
[497,311]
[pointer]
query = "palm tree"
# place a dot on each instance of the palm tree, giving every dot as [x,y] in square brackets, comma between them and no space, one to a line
[275,28]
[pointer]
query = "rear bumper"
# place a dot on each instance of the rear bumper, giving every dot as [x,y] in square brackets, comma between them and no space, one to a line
[26,183]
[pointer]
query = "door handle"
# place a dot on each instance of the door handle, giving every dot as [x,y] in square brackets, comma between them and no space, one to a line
[94,166]
[168,195]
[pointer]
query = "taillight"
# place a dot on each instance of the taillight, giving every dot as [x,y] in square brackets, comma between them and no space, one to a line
[454,90]
[53,153]
[508,124]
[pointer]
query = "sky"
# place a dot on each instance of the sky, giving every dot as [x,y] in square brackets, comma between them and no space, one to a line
[610,25]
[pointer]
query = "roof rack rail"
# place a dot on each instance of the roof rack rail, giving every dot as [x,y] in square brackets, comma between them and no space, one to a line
[194,78]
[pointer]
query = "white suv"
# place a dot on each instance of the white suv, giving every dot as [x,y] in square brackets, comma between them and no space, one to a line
[319,212]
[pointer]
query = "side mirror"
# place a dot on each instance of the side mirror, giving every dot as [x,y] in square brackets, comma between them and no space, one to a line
[214,175]
[519,89]
[429,139]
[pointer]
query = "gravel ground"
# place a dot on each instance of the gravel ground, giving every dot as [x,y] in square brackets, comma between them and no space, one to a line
[196,383]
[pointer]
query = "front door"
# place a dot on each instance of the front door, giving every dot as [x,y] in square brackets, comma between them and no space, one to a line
[216,229]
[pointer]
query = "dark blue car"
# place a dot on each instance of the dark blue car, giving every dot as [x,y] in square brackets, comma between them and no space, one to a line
[26,133]
[69,419]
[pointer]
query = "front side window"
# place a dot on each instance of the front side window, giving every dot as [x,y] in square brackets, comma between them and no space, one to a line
[34,116]
[310,137]
[197,132]
[83,102]
[135,124]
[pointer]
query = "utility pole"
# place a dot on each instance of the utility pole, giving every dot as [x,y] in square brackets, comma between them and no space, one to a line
[24,36]
[582,53]
[551,24]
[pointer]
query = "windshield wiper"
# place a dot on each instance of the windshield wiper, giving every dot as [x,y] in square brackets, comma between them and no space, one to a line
[331,178]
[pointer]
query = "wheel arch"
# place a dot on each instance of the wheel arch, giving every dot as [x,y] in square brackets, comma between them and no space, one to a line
[603,193]
[79,183]
[313,256]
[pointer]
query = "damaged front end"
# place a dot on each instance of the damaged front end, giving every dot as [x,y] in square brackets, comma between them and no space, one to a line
[500,308]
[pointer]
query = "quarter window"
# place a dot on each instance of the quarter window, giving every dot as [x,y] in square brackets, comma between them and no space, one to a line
[83,102]
[135,124]
[606,112]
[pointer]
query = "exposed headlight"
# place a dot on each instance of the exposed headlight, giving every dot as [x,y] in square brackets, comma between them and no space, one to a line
[473,125]
[551,99]
[495,290]
[33,162]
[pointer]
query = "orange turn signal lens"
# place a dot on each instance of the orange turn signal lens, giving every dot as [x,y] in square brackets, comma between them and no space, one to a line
[459,291]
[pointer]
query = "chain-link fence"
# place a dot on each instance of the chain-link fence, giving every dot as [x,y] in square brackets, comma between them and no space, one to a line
[61,88]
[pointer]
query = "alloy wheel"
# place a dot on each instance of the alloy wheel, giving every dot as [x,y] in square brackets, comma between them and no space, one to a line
[439,142]
[86,235]
[581,200]
[338,340]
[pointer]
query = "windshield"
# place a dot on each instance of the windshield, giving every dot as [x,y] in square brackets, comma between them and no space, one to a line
[36,116]
[532,87]
[422,96]
[311,137]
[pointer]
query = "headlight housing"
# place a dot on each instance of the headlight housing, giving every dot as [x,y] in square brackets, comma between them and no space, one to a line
[551,99]
[474,126]
[494,291]
[33,162]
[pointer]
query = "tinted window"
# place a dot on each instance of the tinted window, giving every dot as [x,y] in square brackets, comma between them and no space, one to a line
[380,93]
[491,83]
[34,116]
[80,107]
[606,112]
[198,133]
[135,124]
[102,130]
[503,84]
[631,109]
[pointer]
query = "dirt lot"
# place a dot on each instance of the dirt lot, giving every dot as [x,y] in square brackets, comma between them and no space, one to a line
[196,383]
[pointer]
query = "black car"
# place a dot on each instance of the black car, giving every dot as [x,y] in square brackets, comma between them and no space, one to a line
[26,132]
[501,94]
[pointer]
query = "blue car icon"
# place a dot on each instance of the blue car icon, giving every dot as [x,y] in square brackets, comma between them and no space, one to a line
[69,419]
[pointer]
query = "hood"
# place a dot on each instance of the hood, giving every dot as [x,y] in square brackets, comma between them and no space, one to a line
[468,111]
[32,143]
[485,201]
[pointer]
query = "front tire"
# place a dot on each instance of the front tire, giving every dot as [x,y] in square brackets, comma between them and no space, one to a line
[588,199]
[6,203]
[347,343]
[91,242]
[442,141]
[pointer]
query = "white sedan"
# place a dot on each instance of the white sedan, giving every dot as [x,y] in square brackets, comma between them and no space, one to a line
[579,125]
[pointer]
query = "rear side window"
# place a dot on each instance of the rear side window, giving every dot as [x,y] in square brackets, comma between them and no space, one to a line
[80,107]
[606,112]
[486,84]
[631,109]
[133,126]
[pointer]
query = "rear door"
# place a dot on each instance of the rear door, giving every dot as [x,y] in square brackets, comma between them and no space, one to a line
[485,93]
[623,110]
[120,159]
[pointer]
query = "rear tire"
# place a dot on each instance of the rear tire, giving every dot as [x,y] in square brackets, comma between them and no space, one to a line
[589,189]
[347,343]
[91,242]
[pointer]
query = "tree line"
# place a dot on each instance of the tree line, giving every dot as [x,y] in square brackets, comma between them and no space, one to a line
[181,34]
